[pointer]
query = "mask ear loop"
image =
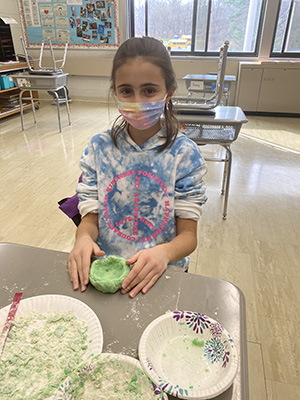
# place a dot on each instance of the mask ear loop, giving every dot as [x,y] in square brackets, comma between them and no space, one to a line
[162,117]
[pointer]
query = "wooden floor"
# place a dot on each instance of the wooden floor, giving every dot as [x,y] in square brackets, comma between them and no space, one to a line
[257,247]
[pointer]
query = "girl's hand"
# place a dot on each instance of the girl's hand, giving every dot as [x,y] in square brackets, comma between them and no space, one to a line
[149,266]
[80,259]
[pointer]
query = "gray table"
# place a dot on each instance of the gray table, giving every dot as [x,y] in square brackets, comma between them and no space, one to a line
[48,83]
[35,271]
[207,80]
[221,115]
[208,77]
[220,126]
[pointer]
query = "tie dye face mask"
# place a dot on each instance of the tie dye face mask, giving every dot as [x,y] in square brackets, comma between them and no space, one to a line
[142,115]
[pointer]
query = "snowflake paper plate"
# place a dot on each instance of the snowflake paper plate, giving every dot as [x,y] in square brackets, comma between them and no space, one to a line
[110,376]
[188,355]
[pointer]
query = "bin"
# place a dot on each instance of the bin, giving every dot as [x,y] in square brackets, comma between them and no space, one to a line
[45,81]
[6,82]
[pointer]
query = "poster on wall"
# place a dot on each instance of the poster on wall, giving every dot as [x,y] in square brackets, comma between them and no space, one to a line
[81,23]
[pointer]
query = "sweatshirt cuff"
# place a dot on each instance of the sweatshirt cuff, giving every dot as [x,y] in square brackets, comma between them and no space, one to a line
[187,210]
[88,206]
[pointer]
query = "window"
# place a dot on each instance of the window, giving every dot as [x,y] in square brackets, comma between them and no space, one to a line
[286,41]
[200,27]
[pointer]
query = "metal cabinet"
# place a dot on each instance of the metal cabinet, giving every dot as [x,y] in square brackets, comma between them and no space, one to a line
[249,81]
[269,87]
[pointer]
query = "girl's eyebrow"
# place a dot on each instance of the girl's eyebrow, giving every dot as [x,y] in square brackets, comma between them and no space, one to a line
[150,84]
[124,85]
[143,85]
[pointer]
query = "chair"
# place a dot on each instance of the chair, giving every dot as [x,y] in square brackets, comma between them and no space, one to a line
[205,122]
[209,87]
[54,69]
[50,79]
[190,103]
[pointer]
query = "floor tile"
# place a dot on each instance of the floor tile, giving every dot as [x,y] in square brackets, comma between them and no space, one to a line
[276,258]
[280,348]
[257,388]
[282,391]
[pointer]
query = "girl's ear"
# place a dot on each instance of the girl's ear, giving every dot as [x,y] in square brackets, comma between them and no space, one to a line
[170,94]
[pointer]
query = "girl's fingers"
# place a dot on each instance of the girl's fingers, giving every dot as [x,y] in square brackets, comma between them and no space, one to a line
[86,260]
[79,264]
[144,286]
[128,281]
[150,284]
[152,281]
[81,275]
[143,279]
[144,276]
[136,275]
[97,252]
[132,260]
[73,273]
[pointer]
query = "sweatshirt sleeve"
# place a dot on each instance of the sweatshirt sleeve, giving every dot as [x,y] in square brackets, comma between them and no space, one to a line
[190,187]
[87,190]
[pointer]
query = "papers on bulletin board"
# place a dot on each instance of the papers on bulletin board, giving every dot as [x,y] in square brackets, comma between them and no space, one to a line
[31,13]
[81,23]
[74,2]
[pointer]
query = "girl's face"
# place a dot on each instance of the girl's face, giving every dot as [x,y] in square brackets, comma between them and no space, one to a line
[140,81]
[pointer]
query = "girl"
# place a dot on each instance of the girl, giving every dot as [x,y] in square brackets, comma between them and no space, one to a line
[142,190]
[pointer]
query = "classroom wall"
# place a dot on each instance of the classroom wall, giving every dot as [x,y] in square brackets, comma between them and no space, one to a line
[90,69]
[95,86]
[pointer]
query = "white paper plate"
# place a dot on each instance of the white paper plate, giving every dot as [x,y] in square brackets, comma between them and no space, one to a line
[46,303]
[53,302]
[188,355]
[130,364]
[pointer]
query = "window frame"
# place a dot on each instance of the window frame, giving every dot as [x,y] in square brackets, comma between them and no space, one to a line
[205,53]
[282,53]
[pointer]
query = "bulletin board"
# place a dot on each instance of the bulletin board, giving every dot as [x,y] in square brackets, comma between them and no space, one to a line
[81,23]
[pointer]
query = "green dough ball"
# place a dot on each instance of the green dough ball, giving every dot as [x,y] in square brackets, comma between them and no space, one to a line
[107,274]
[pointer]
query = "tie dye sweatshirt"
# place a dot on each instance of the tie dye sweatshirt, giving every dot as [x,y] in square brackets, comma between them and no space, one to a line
[137,191]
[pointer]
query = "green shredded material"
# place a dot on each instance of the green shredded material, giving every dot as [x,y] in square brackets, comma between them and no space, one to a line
[40,352]
[111,379]
[198,343]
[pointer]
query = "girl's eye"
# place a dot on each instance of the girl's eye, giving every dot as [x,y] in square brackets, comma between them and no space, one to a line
[125,92]
[150,91]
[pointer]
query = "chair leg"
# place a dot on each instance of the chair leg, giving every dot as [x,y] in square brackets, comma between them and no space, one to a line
[67,104]
[228,173]
[21,109]
[58,110]
[225,171]
[226,95]
[32,106]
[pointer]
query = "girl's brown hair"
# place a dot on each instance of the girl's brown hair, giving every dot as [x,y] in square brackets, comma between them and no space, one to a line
[153,51]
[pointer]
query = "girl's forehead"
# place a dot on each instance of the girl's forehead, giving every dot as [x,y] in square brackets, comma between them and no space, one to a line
[138,61]
[139,69]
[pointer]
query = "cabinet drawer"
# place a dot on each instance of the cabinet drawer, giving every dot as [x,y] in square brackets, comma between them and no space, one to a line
[249,88]
[280,91]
